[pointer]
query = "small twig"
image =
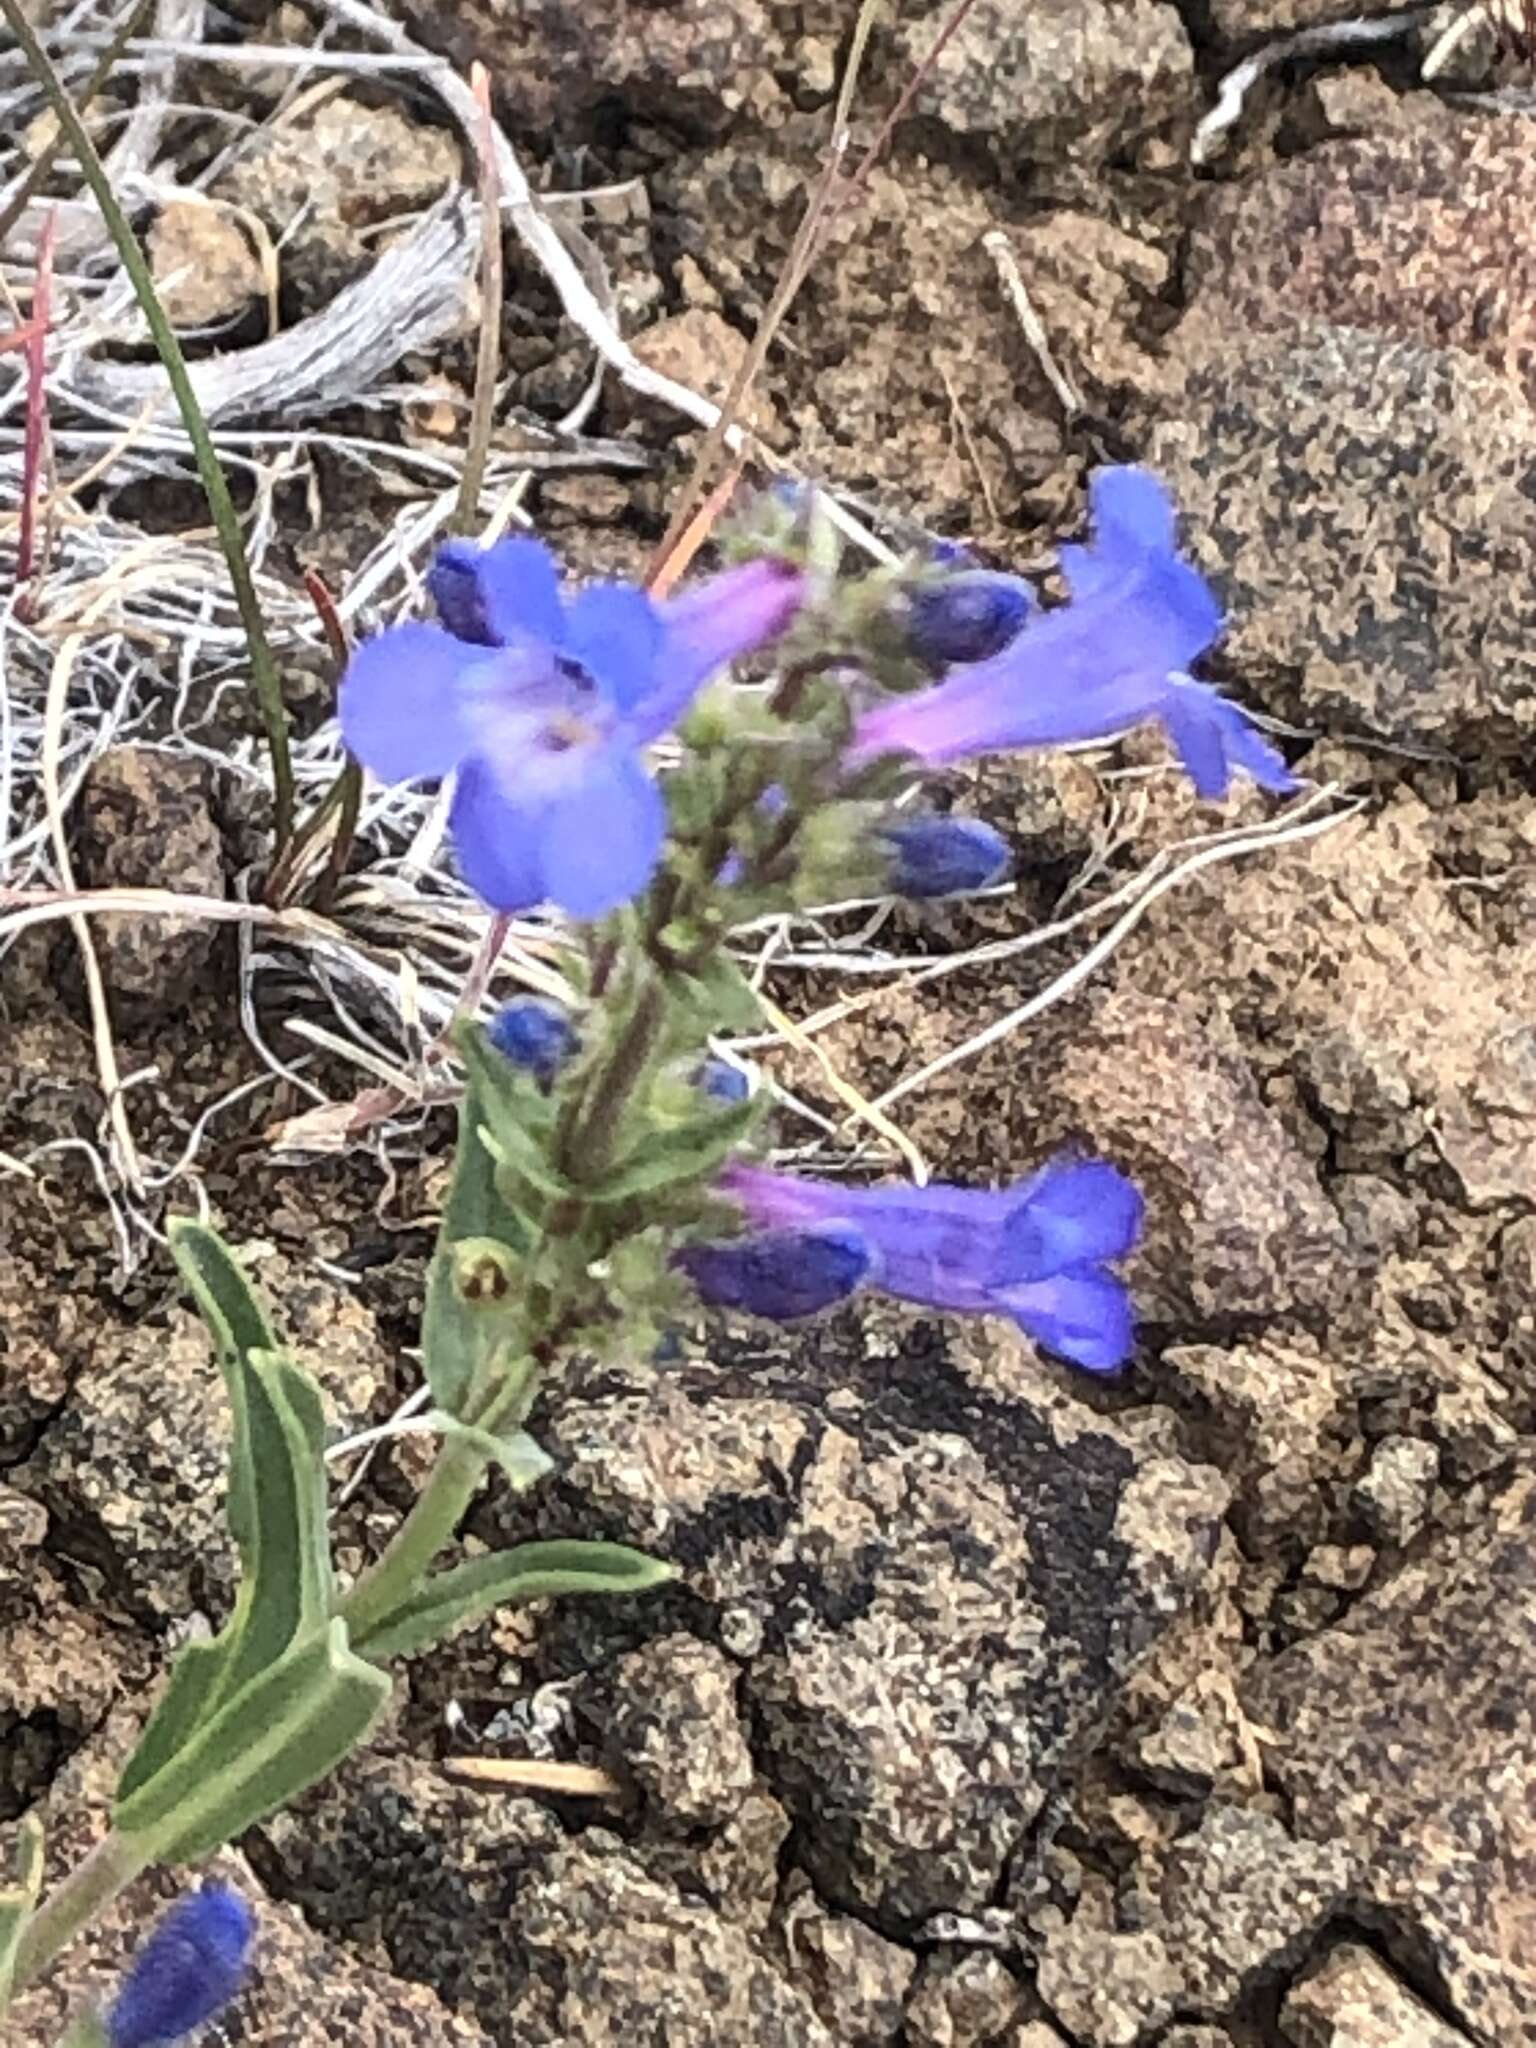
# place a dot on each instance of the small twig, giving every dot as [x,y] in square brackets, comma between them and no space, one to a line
[41,167]
[482,417]
[36,428]
[797,266]
[1000,249]
[264,677]
[1232,91]
[107,1068]
[528,1774]
[898,113]
[1259,840]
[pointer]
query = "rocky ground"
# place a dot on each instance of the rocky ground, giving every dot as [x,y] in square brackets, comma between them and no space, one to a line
[991,1709]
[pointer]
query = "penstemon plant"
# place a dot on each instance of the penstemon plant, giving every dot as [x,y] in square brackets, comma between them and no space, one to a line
[606,1177]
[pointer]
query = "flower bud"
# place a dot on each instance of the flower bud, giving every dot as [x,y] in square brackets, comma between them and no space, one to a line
[189,1969]
[536,1034]
[944,857]
[965,618]
[781,1274]
[722,1081]
[454,582]
[485,1273]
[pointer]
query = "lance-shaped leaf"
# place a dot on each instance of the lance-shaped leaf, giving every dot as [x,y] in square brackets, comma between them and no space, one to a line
[280,1734]
[18,1900]
[276,1508]
[533,1571]
[455,1334]
[692,1152]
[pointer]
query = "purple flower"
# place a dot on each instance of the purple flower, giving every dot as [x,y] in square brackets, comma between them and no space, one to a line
[1037,1252]
[545,708]
[943,856]
[191,1966]
[1116,655]
[781,1274]
[967,617]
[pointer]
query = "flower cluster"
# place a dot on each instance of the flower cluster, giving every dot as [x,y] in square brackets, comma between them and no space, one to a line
[543,706]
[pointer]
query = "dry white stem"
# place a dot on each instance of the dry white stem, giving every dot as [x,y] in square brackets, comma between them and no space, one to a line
[1232,847]
[1233,90]
[1000,249]
[414,296]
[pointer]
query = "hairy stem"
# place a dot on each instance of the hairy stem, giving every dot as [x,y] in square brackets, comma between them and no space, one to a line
[407,1558]
[88,1890]
[589,1147]
[264,678]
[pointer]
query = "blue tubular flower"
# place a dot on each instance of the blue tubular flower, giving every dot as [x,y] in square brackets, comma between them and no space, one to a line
[1117,654]
[781,1274]
[943,856]
[191,1966]
[545,708]
[534,1033]
[966,617]
[1037,1252]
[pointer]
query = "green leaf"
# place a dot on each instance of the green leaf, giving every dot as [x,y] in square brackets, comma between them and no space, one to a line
[716,999]
[281,1733]
[524,1461]
[691,1152]
[533,1571]
[453,1334]
[235,1320]
[276,1509]
[18,1900]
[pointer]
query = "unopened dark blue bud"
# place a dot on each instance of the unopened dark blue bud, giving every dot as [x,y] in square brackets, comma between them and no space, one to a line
[725,1083]
[534,1033]
[781,1274]
[965,618]
[190,1968]
[454,581]
[944,857]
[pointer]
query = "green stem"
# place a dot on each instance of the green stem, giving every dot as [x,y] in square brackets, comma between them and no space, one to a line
[591,1142]
[264,677]
[407,1558]
[88,1890]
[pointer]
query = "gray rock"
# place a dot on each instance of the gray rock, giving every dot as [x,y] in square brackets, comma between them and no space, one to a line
[1395,1494]
[676,1731]
[964,1999]
[1363,506]
[303,1992]
[1244,21]
[616,1960]
[132,1470]
[1230,1908]
[1405,1736]
[1322,236]
[856,1980]
[935,1579]
[1354,2001]
[145,822]
[1074,77]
